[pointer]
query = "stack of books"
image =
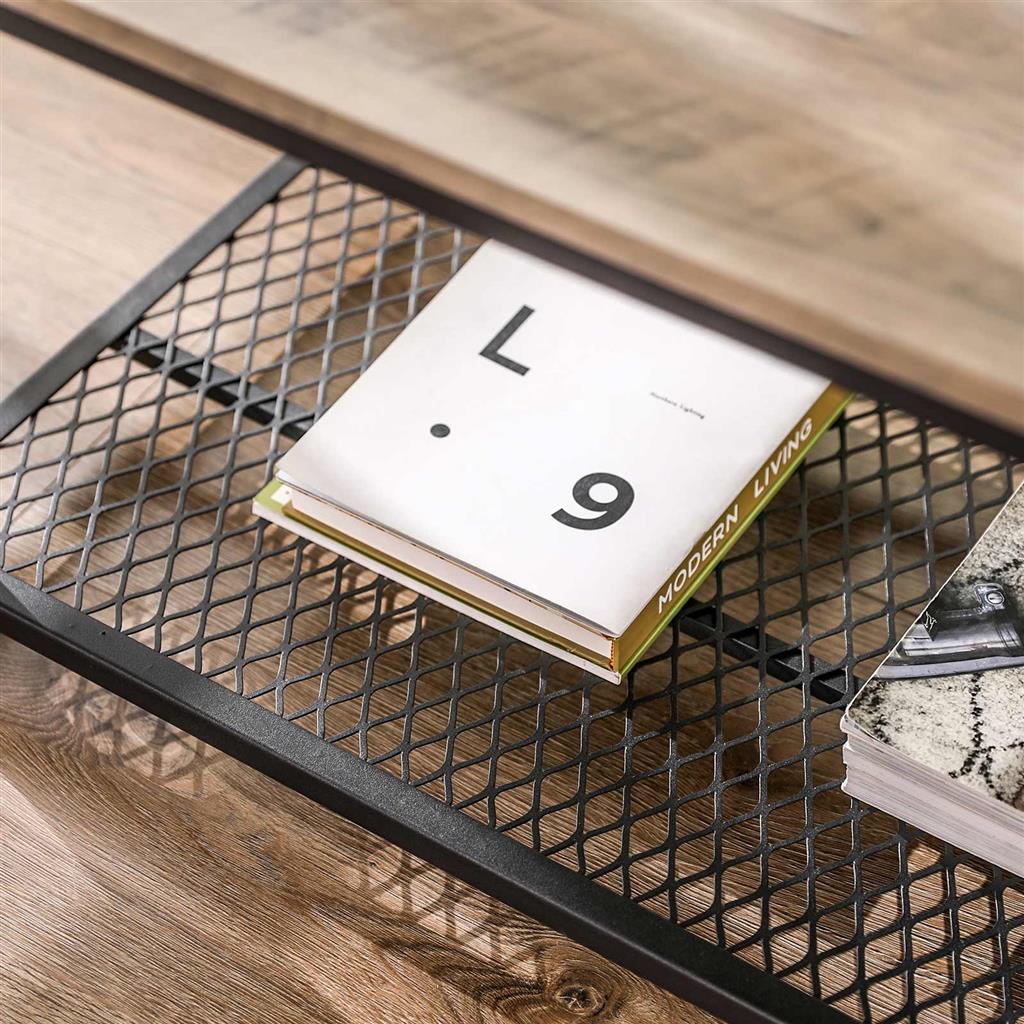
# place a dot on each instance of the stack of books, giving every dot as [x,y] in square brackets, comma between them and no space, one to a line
[567,464]
[551,457]
[936,736]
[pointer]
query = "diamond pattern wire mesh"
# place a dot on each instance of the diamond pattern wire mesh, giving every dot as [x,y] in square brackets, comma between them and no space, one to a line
[706,788]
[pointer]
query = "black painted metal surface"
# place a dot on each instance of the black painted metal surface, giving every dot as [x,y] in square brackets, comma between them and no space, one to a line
[689,823]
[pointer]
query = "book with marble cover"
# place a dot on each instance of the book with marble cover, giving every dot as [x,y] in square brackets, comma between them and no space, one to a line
[552,457]
[936,736]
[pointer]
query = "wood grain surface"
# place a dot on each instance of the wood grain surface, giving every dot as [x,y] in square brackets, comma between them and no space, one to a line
[144,875]
[847,173]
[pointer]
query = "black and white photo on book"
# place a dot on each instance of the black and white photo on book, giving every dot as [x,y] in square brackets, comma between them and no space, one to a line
[936,736]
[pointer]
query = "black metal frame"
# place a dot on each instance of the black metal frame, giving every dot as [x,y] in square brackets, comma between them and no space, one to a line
[116,321]
[623,931]
[647,944]
[527,879]
[493,224]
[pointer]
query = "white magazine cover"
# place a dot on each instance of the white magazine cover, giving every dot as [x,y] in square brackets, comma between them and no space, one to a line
[553,434]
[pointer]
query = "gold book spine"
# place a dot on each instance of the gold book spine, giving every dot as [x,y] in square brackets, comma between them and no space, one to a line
[727,529]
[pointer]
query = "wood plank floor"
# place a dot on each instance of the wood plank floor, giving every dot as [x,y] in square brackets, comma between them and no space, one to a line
[145,876]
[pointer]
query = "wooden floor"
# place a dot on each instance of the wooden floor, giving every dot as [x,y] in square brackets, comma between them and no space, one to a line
[144,875]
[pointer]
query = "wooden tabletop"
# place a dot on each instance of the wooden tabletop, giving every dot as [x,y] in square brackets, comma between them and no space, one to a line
[849,175]
[144,875]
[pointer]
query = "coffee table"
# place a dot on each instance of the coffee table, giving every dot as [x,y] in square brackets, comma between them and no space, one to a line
[688,824]
[839,184]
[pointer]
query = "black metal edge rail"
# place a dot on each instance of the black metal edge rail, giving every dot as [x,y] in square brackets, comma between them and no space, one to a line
[487,222]
[29,396]
[609,924]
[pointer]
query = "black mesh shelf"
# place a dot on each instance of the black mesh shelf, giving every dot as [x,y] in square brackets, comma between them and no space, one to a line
[689,823]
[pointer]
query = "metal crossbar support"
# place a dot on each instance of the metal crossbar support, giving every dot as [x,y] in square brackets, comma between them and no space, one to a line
[748,641]
[222,385]
[116,321]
